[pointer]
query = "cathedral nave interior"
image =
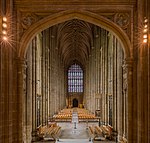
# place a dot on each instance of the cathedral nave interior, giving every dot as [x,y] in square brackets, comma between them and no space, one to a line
[74,71]
[75,64]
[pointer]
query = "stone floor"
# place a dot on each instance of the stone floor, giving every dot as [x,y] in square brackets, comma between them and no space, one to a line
[75,133]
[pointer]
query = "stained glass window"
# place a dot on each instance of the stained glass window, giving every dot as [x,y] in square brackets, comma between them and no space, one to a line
[75,78]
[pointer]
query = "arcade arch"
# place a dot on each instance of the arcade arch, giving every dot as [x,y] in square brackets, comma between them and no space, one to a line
[88,17]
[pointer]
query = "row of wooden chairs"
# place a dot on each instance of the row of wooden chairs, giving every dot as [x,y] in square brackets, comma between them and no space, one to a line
[100,133]
[62,116]
[67,110]
[49,132]
[86,116]
[66,115]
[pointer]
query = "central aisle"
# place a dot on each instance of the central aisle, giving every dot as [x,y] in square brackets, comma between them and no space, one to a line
[78,135]
[74,141]
[73,131]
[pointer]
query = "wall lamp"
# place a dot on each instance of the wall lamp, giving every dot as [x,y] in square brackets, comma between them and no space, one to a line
[145,31]
[4,28]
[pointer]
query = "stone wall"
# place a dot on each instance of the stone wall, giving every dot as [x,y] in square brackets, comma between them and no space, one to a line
[12,67]
[44,82]
[104,80]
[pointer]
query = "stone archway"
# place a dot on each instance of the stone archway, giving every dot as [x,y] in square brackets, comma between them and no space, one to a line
[75,102]
[91,18]
[73,14]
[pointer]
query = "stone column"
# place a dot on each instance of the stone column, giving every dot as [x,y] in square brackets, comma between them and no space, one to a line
[148,98]
[148,95]
[103,79]
[106,77]
[38,82]
[104,67]
[52,78]
[34,91]
[21,99]
[50,72]
[114,83]
[127,93]
[43,78]
[143,74]
[29,96]
[47,38]
[119,92]
[48,82]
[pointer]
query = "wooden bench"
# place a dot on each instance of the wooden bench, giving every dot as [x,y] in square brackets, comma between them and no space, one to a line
[107,131]
[99,134]
[56,132]
[49,132]
[91,132]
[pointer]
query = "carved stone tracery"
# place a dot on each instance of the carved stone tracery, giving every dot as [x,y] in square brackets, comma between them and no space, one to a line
[122,19]
[28,19]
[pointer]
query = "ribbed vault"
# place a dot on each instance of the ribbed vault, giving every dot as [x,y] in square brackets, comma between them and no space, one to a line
[74,41]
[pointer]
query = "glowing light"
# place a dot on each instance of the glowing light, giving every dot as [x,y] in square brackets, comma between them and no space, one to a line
[4,19]
[4,25]
[4,32]
[5,38]
[145,41]
[145,30]
[145,26]
[145,36]
[146,20]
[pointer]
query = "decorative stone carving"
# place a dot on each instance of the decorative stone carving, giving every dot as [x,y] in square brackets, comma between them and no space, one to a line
[28,19]
[109,16]
[127,91]
[122,19]
[24,78]
[127,71]
[22,65]
[125,81]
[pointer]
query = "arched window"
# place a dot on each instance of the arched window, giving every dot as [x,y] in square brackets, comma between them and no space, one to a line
[75,78]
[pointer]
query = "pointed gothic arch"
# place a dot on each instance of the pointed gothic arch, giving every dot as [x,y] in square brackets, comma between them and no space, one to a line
[73,14]
[75,102]
[91,18]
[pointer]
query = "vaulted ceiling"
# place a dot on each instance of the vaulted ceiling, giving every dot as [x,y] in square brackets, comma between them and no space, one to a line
[75,40]
[74,37]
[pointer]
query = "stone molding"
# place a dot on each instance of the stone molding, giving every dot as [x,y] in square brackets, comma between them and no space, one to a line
[39,25]
[119,17]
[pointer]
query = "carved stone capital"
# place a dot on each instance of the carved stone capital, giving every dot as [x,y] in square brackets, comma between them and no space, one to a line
[22,63]
[128,64]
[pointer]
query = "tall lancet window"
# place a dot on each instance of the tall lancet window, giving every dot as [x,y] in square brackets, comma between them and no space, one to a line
[75,78]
